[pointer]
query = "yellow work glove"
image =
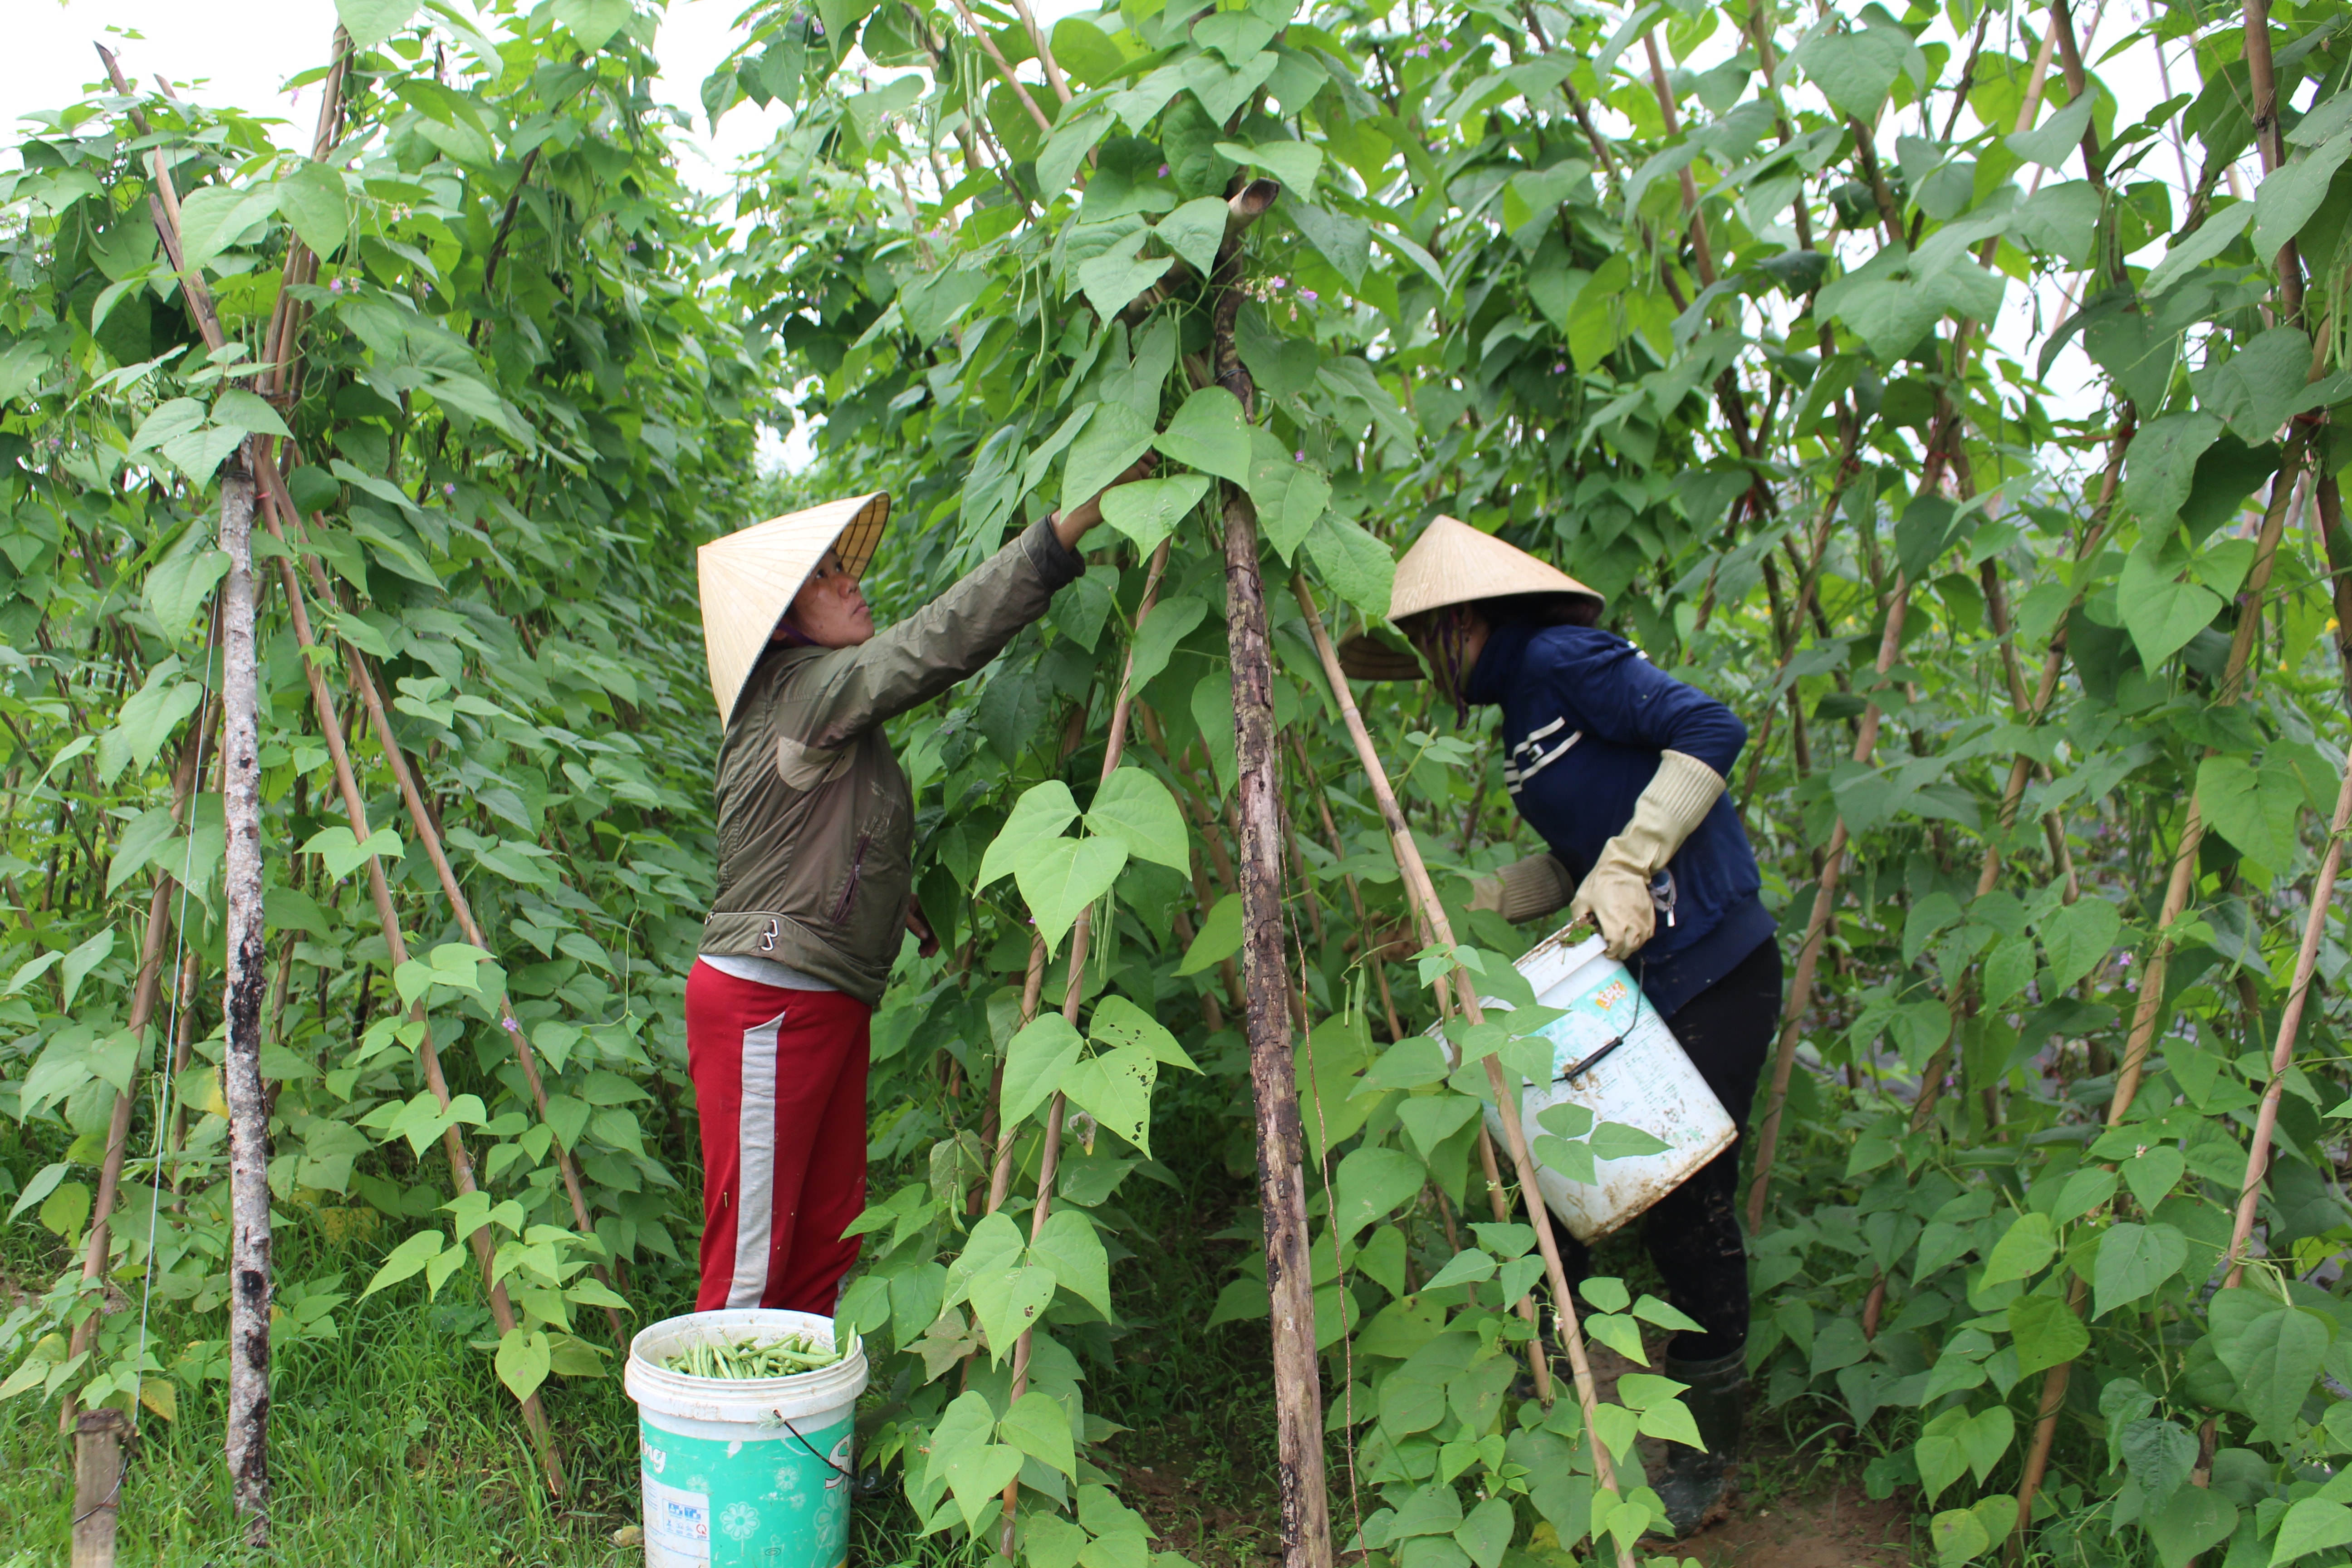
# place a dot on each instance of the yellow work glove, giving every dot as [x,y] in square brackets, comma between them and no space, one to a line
[1525,890]
[1617,893]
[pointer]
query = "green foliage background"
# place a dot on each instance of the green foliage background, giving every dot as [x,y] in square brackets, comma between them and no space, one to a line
[1687,298]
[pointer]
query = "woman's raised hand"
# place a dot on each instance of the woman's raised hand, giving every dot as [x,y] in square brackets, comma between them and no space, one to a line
[1071,525]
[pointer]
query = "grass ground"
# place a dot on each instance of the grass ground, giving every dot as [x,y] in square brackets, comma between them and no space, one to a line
[393,1444]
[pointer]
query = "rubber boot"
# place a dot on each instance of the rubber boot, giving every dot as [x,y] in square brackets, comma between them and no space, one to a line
[1695,1483]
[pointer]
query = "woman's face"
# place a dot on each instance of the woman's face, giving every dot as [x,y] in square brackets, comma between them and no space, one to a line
[830,610]
[1451,640]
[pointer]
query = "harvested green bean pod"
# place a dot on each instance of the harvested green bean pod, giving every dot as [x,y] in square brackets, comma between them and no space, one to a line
[783,1357]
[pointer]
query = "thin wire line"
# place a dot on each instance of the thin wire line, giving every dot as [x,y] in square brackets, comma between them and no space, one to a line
[171,1027]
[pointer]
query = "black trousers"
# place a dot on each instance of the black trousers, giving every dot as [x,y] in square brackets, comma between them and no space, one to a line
[1693,1233]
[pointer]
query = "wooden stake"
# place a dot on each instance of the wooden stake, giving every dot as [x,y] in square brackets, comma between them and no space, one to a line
[1281,1167]
[99,1437]
[1274,1083]
[247,1434]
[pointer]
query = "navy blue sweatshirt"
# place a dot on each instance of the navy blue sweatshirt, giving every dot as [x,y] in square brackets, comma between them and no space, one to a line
[1584,718]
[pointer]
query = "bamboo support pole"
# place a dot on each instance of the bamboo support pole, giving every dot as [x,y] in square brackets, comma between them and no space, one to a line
[1809,955]
[2178,886]
[273,484]
[428,834]
[1507,1102]
[1702,254]
[1073,991]
[2306,962]
[1003,68]
[452,1142]
[1038,40]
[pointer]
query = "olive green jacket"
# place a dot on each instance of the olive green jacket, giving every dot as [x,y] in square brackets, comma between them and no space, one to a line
[815,820]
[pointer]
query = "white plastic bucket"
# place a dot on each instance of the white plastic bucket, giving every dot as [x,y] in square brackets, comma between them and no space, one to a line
[744,1470]
[1615,1056]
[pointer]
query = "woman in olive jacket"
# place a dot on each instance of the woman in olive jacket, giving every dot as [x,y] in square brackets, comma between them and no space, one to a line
[815,847]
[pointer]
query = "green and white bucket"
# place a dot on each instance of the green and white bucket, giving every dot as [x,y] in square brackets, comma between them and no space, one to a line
[744,1470]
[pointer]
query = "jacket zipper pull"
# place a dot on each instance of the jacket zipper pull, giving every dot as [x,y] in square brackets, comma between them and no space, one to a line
[768,938]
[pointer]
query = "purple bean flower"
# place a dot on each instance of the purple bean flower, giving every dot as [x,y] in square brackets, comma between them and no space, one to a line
[1163,171]
[336,287]
[449,490]
[1308,295]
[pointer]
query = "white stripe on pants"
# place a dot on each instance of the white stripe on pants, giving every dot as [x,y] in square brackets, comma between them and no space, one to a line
[756,1146]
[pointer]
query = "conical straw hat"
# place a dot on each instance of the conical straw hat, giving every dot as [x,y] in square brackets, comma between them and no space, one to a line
[1453,563]
[750,577]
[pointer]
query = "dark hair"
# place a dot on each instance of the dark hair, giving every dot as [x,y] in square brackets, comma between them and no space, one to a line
[1542,609]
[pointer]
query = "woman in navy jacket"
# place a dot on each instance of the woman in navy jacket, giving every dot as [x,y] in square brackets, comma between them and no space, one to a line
[1620,769]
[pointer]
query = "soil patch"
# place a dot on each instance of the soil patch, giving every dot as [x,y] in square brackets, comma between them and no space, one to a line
[1837,1527]
[1196,1508]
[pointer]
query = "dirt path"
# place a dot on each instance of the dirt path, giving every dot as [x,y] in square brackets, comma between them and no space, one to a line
[1779,1518]
[1833,1528]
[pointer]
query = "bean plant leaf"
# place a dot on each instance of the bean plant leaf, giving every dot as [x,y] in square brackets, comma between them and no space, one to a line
[1115,1088]
[312,199]
[1040,1427]
[178,587]
[1369,1185]
[1148,511]
[1135,808]
[2078,937]
[1219,938]
[593,22]
[2276,1357]
[1070,1248]
[2028,1243]
[1034,1063]
[1115,437]
[2048,1332]
[1207,434]
[524,1359]
[2314,1524]
[1042,813]
[2161,1454]
[2253,809]
[2132,1260]
[371,22]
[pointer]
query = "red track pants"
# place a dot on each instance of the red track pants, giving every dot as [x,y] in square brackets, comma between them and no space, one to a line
[780,1082]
